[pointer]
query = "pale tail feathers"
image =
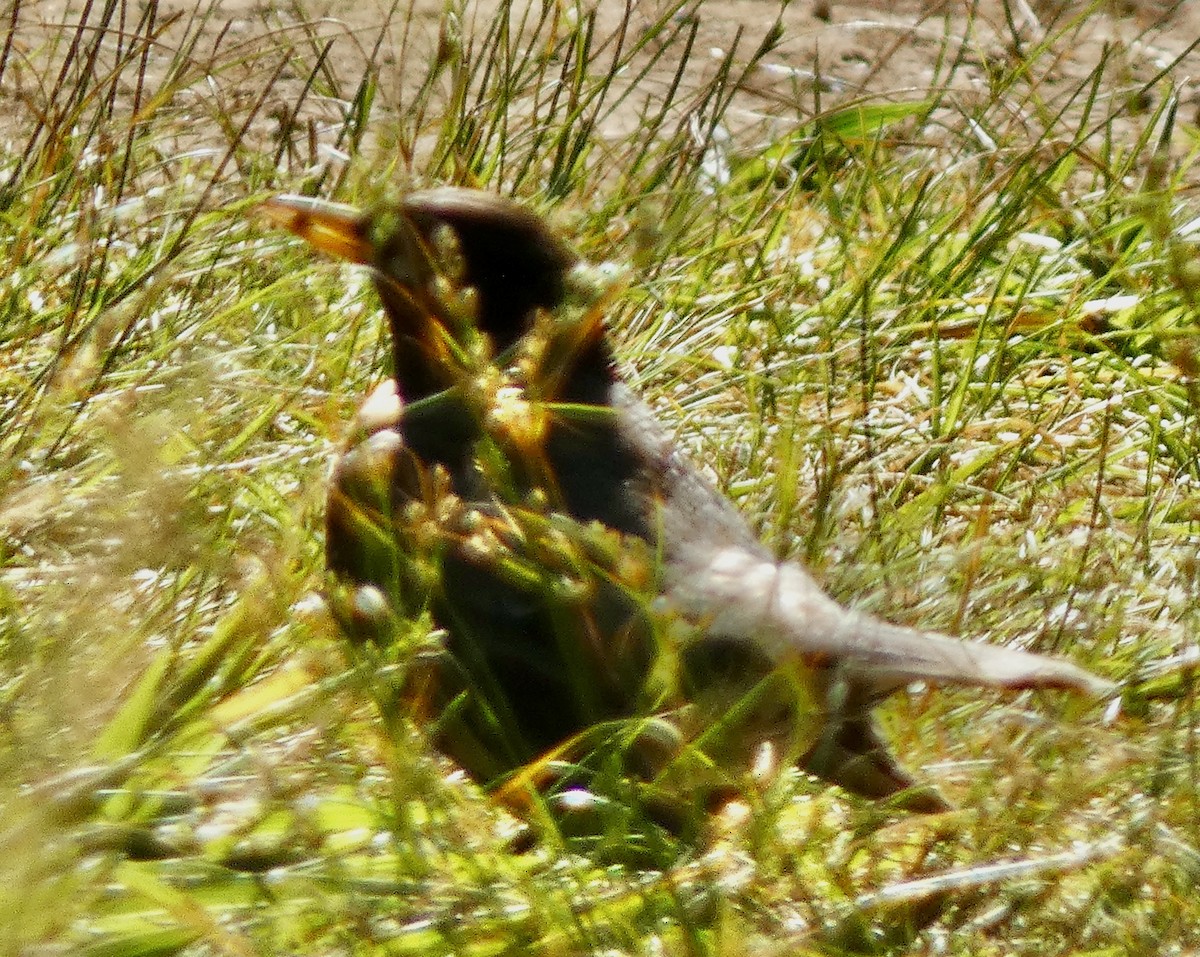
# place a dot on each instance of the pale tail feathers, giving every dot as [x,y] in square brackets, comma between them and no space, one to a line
[737,592]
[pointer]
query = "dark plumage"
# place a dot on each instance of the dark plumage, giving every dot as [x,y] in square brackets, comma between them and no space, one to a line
[588,579]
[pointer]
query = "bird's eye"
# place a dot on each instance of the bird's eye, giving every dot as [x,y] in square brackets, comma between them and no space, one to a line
[400,253]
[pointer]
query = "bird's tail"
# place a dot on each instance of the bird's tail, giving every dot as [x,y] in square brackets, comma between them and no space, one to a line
[739,592]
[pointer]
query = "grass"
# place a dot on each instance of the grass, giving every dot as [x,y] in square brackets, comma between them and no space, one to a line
[941,347]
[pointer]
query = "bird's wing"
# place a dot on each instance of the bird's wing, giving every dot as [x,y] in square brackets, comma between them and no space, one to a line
[719,576]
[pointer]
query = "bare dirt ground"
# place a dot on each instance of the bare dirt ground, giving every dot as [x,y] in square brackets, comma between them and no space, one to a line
[828,52]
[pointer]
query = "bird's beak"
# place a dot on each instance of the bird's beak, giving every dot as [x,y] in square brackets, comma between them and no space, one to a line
[330,227]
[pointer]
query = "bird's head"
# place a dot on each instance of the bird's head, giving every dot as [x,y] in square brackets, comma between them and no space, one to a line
[432,247]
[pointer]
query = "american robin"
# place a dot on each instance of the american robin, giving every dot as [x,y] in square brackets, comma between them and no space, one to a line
[591,589]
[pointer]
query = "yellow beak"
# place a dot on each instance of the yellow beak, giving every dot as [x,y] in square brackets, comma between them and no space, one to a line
[330,227]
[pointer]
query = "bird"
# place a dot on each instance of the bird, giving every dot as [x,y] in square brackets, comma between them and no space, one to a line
[596,602]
